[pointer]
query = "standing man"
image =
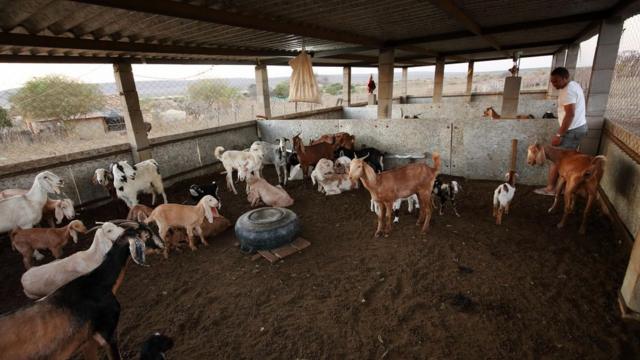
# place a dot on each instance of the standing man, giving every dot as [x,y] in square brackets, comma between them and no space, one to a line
[571,117]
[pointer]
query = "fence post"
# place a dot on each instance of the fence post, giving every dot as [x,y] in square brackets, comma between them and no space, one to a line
[136,130]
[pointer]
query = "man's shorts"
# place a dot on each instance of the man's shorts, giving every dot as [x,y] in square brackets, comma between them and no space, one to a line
[571,139]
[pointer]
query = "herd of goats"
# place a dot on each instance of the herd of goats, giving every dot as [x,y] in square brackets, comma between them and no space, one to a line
[77,310]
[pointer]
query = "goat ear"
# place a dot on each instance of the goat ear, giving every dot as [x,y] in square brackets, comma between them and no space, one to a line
[207,212]
[136,248]
[59,214]
[74,235]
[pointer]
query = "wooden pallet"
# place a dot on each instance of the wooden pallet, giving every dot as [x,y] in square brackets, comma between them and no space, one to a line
[277,254]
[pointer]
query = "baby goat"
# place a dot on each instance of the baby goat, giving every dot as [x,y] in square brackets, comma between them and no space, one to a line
[26,240]
[446,192]
[80,313]
[503,196]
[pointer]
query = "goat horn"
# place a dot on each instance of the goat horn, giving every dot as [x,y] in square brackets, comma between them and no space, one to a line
[94,228]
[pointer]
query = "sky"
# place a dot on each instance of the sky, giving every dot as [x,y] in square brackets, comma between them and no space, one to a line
[14,75]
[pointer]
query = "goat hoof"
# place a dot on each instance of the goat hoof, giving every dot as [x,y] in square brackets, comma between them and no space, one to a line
[377,234]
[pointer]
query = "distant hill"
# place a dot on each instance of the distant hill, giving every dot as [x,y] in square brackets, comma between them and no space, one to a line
[157,88]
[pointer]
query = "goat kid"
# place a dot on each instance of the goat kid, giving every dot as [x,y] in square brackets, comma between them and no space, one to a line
[234,159]
[81,312]
[446,193]
[184,216]
[412,203]
[25,241]
[503,195]
[142,177]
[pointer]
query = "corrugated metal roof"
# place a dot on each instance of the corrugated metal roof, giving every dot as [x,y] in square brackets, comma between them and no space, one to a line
[348,32]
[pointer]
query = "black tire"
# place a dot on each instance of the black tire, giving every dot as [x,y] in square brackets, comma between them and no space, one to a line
[266,228]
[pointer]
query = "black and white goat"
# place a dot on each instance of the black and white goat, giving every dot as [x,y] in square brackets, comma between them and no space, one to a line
[443,193]
[143,177]
[81,314]
[375,157]
[273,154]
[412,203]
[197,192]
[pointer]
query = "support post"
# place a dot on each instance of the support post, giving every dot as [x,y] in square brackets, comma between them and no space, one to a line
[136,129]
[511,96]
[385,82]
[404,84]
[630,291]
[438,80]
[262,91]
[469,81]
[604,63]
[346,85]
[571,61]
[556,61]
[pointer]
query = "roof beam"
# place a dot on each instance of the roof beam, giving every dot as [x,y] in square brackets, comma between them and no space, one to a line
[237,19]
[511,47]
[521,26]
[450,8]
[102,45]
[616,9]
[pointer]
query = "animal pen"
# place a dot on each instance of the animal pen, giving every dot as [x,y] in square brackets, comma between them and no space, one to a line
[467,288]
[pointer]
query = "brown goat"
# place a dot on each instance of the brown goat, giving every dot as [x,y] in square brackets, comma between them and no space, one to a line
[139,213]
[490,111]
[397,183]
[25,241]
[310,155]
[578,174]
[338,140]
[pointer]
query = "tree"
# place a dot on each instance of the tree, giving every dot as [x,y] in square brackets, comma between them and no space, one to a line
[333,89]
[5,121]
[281,90]
[203,94]
[56,97]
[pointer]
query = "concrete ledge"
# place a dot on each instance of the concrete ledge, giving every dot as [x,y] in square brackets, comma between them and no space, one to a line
[199,133]
[301,114]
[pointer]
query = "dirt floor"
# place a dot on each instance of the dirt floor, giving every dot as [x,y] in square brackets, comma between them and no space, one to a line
[468,289]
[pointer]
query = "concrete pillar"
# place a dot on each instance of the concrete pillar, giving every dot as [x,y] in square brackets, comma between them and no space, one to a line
[469,81]
[404,84]
[556,61]
[346,85]
[136,129]
[602,70]
[630,290]
[571,61]
[262,90]
[385,82]
[438,80]
[511,96]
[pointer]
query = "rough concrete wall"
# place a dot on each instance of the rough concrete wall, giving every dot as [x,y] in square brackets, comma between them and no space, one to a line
[490,98]
[476,148]
[178,159]
[621,184]
[368,112]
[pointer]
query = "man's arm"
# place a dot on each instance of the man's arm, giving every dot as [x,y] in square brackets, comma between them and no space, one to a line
[569,113]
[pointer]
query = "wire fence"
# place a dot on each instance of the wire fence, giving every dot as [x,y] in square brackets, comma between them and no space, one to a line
[586,54]
[623,106]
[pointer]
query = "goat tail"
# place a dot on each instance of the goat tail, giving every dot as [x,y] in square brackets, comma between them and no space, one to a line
[436,161]
[597,166]
[218,152]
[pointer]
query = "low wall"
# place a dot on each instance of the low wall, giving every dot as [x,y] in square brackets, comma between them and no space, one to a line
[473,147]
[180,156]
[621,180]
[494,98]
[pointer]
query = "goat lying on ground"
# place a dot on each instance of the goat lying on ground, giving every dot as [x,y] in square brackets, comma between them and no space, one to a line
[578,174]
[503,195]
[53,212]
[341,165]
[397,183]
[310,155]
[142,177]
[446,193]
[155,346]
[104,178]
[491,112]
[323,168]
[275,155]
[209,231]
[374,157]
[26,240]
[184,216]
[338,140]
[261,190]
[234,159]
[77,314]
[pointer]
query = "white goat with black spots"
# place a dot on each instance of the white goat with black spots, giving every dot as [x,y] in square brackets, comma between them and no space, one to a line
[143,177]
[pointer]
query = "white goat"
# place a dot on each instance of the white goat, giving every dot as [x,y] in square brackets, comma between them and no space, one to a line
[53,212]
[341,165]
[332,184]
[412,203]
[250,161]
[142,177]
[503,195]
[322,170]
[273,154]
[42,280]
[25,211]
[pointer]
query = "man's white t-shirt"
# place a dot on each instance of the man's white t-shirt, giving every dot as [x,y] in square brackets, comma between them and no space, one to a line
[572,94]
